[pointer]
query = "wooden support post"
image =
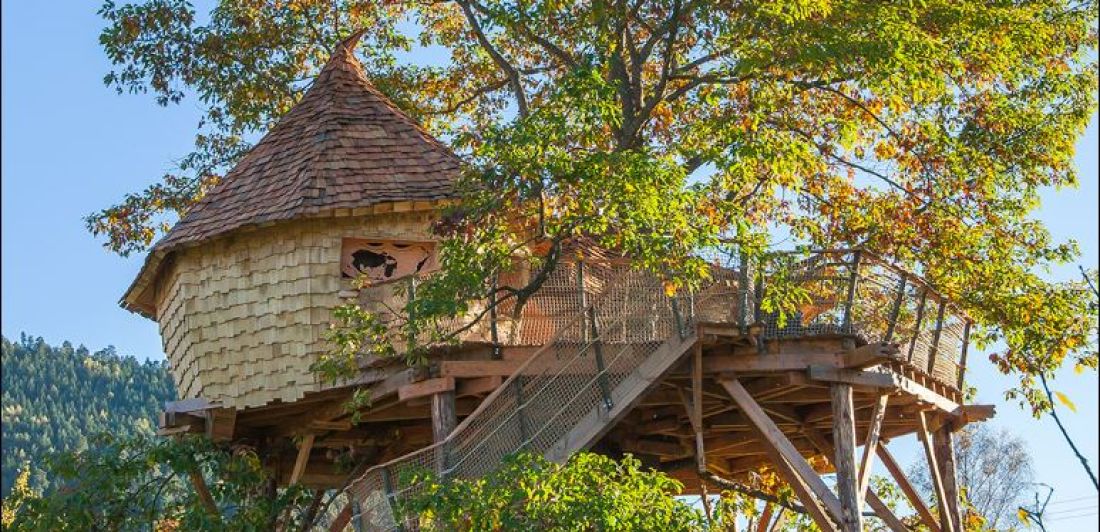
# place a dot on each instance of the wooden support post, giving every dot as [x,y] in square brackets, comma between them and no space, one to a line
[443,415]
[873,434]
[697,406]
[302,460]
[822,445]
[812,491]
[443,424]
[910,492]
[935,472]
[844,441]
[945,457]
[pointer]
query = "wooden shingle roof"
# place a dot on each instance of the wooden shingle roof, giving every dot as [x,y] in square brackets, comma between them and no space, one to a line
[343,146]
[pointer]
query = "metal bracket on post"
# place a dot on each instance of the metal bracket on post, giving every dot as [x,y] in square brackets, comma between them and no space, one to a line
[387,487]
[850,300]
[678,319]
[934,350]
[896,311]
[601,367]
[962,356]
[920,318]
[494,335]
[520,415]
[743,294]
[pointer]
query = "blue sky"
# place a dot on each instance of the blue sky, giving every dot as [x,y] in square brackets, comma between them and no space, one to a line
[71,146]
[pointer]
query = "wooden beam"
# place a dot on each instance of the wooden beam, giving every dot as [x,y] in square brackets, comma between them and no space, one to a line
[907,488]
[870,443]
[478,385]
[765,517]
[934,472]
[872,379]
[945,457]
[478,368]
[815,495]
[883,512]
[844,442]
[825,449]
[425,388]
[303,458]
[927,395]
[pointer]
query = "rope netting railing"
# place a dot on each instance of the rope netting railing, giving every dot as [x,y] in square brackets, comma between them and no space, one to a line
[582,369]
[598,323]
[855,293]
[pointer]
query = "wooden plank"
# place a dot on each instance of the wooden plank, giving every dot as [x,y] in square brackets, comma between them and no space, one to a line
[873,379]
[934,471]
[945,456]
[477,386]
[339,426]
[927,395]
[844,442]
[812,490]
[870,443]
[425,388]
[478,368]
[907,488]
[655,447]
[303,458]
[863,356]
[221,424]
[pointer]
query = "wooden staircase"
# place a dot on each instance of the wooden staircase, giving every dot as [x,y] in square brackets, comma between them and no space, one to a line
[560,401]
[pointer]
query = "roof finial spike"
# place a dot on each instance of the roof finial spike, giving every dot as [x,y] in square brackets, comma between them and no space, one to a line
[348,45]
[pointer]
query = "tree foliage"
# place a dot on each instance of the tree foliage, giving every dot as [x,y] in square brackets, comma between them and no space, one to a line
[57,397]
[145,484]
[589,492]
[922,130]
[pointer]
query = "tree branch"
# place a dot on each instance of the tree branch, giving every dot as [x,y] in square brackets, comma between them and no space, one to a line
[501,62]
[1058,421]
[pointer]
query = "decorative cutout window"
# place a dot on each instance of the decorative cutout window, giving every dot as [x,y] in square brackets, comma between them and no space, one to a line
[385,260]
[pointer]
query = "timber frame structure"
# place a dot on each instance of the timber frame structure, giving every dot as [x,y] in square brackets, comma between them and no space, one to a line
[705,386]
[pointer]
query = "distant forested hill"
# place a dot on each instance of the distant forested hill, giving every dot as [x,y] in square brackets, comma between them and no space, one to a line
[55,397]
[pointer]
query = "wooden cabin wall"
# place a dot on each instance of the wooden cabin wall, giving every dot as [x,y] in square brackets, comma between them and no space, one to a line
[242,318]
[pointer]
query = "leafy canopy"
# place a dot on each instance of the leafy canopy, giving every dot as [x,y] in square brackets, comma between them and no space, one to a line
[923,130]
[589,492]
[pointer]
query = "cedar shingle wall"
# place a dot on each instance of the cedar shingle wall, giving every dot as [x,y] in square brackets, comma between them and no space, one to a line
[242,318]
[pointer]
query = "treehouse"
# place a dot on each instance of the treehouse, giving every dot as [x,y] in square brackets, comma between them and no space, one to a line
[705,385]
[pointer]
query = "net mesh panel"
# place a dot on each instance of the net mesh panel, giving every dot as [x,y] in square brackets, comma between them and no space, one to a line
[591,346]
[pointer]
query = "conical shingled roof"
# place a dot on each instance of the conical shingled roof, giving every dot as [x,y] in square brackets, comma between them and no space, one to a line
[343,146]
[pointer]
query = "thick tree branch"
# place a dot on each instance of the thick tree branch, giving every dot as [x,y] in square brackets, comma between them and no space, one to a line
[502,63]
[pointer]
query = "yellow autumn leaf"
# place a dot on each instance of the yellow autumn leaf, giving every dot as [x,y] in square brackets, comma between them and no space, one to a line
[1021,515]
[670,289]
[1078,369]
[1062,398]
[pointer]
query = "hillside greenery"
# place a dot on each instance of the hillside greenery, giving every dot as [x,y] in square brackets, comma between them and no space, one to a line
[57,398]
